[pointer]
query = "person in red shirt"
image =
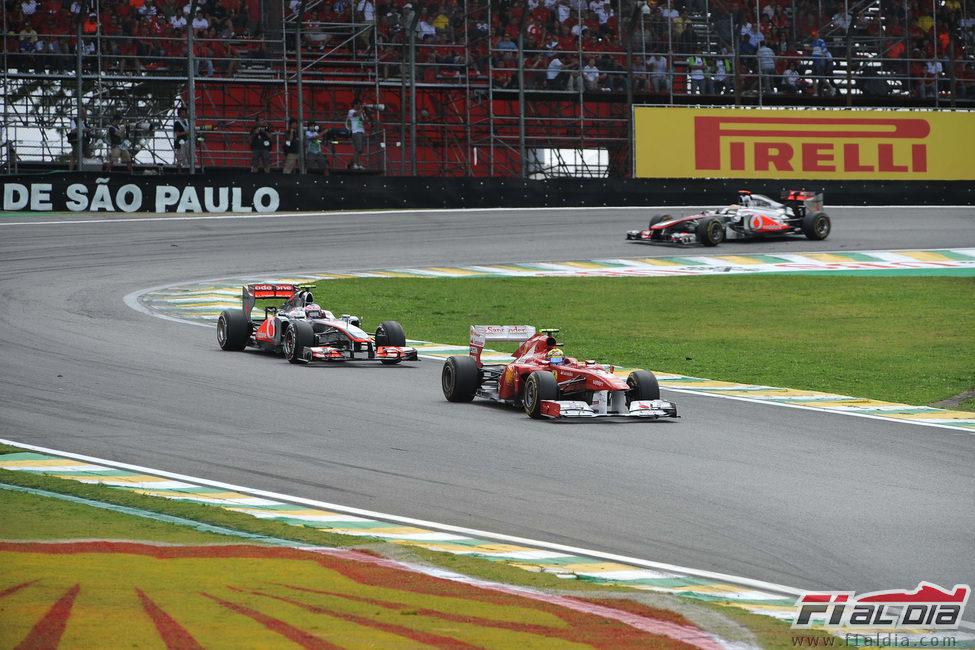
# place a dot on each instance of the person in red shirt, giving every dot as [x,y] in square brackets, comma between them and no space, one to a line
[568,42]
[223,63]
[543,15]
[503,72]
[128,57]
[89,25]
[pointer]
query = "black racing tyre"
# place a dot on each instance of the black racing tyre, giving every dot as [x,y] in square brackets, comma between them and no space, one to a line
[390,332]
[460,379]
[540,386]
[296,338]
[643,385]
[233,330]
[710,232]
[657,218]
[816,225]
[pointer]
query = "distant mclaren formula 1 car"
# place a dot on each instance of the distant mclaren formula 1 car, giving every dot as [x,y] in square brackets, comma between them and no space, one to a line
[756,216]
[304,332]
[547,383]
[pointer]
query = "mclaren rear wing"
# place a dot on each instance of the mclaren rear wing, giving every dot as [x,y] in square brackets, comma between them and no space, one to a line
[250,293]
[813,201]
[481,334]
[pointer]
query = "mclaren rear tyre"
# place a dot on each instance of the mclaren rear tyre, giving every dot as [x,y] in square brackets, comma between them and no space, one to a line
[710,232]
[233,330]
[657,218]
[390,332]
[297,337]
[816,225]
[643,385]
[460,379]
[539,387]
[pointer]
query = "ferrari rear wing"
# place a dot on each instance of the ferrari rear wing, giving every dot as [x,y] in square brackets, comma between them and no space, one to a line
[250,293]
[481,334]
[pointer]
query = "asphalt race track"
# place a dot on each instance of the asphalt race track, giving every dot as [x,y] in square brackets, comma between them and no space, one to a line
[796,497]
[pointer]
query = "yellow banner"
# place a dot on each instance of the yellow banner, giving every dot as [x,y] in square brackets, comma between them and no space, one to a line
[804,144]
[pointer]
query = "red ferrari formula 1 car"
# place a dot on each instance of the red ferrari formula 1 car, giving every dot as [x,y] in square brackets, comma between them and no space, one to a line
[547,383]
[756,216]
[304,332]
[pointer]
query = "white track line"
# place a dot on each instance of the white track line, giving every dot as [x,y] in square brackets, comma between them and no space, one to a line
[422,523]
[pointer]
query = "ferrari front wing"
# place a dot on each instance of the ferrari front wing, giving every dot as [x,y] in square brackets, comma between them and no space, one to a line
[650,409]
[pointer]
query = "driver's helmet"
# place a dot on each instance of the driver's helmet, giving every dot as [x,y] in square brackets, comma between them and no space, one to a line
[313,311]
[556,357]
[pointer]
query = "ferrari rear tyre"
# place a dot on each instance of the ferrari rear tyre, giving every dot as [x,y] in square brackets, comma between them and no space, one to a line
[460,379]
[540,386]
[233,330]
[297,337]
[643,385]
[816,225]
[710,232]
[390,332]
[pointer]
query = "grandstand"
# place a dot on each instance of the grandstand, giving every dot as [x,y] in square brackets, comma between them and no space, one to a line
[537,88]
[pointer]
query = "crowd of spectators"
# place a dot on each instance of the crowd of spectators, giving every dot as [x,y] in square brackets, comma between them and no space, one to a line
[688,46]
[131,36]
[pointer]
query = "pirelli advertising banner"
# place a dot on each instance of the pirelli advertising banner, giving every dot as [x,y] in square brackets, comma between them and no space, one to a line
[811,144]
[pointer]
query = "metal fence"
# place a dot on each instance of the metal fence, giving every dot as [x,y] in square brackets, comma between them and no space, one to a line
[486,89]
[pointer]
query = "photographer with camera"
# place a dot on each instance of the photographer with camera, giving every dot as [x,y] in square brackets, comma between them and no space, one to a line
[260,139]
[292,146]
[181,140]
[76,156]
[118,142]
[356,123]
[314,157]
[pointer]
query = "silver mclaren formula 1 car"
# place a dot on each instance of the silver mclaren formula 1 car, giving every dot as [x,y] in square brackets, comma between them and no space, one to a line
[304,332]
[755,216]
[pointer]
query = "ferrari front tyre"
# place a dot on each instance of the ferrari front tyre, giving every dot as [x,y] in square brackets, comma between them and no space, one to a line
[540,386]
[710,232]
[233,330]
[816,225]
[643,385]
[297,337]
[460,379]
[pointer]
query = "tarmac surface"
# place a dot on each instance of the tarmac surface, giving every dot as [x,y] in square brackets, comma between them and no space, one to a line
[794,497]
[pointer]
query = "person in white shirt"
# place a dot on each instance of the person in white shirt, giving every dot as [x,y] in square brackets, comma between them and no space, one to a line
[722,71]
[766,66]
[564,11]
[425,28]
[697,75]
[199,22]
[367,10]
[553,75]
[590,74]
[356,124]
[929,85]
[659,73]
[790,79]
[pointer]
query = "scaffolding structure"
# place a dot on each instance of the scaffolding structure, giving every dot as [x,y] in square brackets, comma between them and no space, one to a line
[464,103]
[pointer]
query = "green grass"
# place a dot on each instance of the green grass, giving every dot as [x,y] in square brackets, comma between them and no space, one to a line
[214,515]
[899,339]
[32,517]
